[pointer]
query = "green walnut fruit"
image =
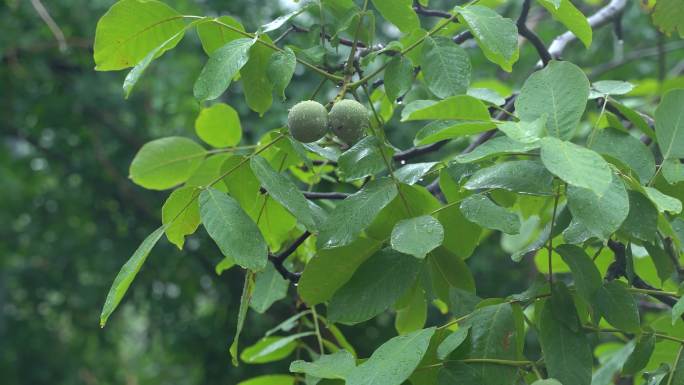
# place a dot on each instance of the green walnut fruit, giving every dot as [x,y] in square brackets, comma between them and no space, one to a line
[349,120]
[307,121]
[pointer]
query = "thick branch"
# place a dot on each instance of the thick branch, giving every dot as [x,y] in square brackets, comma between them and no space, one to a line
[602,17]
[419,9]
[278,260]
[525,32]
[325,195]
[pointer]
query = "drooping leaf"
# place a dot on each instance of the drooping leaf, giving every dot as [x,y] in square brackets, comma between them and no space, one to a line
[355,213]
[663,202]
[560,92]
[269,287]
[480,209]
[180,214]
[618,307]
[223,64]
[524,131]
[497,36]
[413,173]
[576,165]
[399,13]
[611,366]
[131,29]
[640,355]
[215,33]
[334,366]
[585,273]
[448,271]
[398,77]
[257,88]
[662,261]
[246,296]
[567,354]
[417,236]
[284,191]
[270,379]
[394,361]
[232,229]
[459,107]
[677,310]
[164,163]
[642,220]
[601,215]
[281,67]
[374,287]
[571,17]
[127,274]
[521,176]
[219,126]
[446,67]
[669,117]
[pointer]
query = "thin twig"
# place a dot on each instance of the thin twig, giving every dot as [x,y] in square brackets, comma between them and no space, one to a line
[52,25]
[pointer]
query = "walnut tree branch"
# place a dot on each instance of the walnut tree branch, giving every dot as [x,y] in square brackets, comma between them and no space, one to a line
[532,37]
[278,260]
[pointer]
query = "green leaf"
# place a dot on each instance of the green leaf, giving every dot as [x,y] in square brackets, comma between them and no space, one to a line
[219,126]
[521,176]
[131,29]
[127,274]
[449,129]
[524,131]
[134,75]
[668,16]
[374,287]
[611,87]
[446,67]
[399,13]
[363,159]
[270,379]
[222,66]
[452,342]
[330,269]
[354,214]
[642,220]
[634,117]
[180,214]
[480,209]
[284,191]
[662,261]
[245,298]
[612,365]
[571,18]
[257,87]
[269,287]
[496,146]
[459,107]
[669,129]
[656,377]
[547,381]
[394,361]
[576,165]
[567,353]
[677,310]
[398,77]
[411,310]
[628,150]
[233,230]
[640,355]
[492,336]
[335,366]
[617,306]
[587,277]
[209,171]
[448,271]
[413,173]
[215,33]
[663,202]
[166,162]
[673,171]
[417,236]
[272,348]
[601,215]
[497,36]
[560,93]
[281,67]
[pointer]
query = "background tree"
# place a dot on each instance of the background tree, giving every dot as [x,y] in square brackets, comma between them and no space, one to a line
[486,185]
